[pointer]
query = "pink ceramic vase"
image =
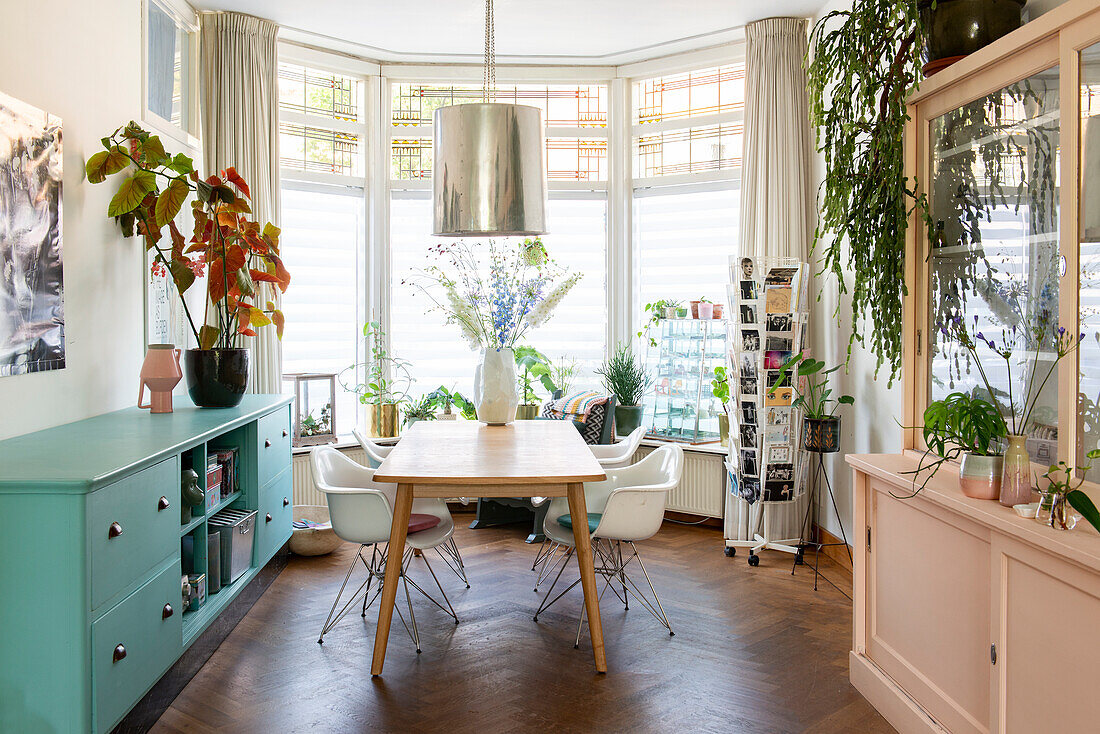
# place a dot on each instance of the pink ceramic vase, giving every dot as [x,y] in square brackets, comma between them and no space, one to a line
[160,373]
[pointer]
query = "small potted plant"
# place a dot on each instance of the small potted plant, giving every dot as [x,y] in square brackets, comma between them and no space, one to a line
[386,383]
[718,309]
[532,366]
[444,398]
[564,373]
[1062,490]
[657,310]
[420,410]
[704,309]
[720,387]
[964,426]
[694,306]
[820,423]
[624,376]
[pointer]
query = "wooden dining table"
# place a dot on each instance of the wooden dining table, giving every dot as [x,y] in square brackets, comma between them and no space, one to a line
[533,458]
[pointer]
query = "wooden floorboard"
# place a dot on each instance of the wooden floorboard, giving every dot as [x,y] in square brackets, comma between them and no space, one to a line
[755,650]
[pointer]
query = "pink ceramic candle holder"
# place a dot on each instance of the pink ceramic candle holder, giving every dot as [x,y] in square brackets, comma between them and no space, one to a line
[160,373]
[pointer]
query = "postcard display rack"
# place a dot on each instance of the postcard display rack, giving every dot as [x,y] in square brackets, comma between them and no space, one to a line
[766,466]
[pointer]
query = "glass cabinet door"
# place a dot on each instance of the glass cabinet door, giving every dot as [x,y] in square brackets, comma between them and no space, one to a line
[1088,356]
[994,260]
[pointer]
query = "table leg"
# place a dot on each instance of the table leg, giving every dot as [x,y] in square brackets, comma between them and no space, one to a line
[579,512]
[402,507]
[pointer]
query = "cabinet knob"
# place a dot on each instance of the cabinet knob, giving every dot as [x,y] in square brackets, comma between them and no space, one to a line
[267,444]
[114,531]
[167,611]
[285,502]
[267,518]
[162,504]
[120,652]
[284,433]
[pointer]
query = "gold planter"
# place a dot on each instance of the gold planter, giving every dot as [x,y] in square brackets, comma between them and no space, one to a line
[527,412]
[724,429]
[382,420]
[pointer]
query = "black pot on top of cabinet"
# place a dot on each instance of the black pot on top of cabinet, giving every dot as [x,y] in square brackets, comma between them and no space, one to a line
[954,29]
[216,378]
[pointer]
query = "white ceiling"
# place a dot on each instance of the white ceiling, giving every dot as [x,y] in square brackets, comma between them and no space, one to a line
[574,31]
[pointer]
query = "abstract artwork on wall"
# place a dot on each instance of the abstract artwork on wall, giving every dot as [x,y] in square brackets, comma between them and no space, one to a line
[32,307]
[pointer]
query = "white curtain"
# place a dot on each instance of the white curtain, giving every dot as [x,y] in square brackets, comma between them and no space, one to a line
[240,128]
[776,190]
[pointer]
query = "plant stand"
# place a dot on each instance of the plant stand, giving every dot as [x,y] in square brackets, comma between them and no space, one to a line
[803,544]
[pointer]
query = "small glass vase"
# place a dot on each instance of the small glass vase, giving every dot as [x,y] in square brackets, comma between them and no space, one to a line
[1016,480]
[1056,511]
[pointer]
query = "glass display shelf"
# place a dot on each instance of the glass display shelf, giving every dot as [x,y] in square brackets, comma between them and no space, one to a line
[681,406]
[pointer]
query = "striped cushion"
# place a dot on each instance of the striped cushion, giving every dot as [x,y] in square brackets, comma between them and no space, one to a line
[566,521]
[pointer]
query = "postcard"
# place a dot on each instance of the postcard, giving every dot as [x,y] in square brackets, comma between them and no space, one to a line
[778,344]
[779,454]
[748,313]
[779,416]
[748,411]
[748,385]
[778,491]
[779,322]
[750,340]
[780,396]
[777,434]
[748,290]
[748,437]
[783,472]
[777,299]
[748,462]
[775,359]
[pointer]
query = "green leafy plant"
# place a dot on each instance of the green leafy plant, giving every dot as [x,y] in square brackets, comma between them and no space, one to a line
[656,311]
[959,424]
[625,376]
[422,410]
[316,426]
[705,300]
[233,251]
[535,367]
[444,398]
[720,387]
[811,387]
[1060,478]
[387,378]
[865,62]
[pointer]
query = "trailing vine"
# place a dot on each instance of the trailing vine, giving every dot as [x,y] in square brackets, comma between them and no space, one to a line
[864,65]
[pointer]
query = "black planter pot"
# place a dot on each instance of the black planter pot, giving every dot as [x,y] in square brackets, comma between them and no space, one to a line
[821,435]
[216,378]
[957,28]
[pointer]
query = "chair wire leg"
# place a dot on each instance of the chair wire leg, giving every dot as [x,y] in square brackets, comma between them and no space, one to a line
[329,621]
[622,574]
[549,563]
[459,567]
[412,614]
[546,601]
[662,618]
[441,591]
[540,555]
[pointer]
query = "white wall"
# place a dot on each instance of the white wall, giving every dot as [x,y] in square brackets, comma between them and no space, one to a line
[82,61]
[869,426]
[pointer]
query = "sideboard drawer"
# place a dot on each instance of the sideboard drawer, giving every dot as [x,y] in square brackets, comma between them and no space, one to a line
[133,644]
[276,514]
[273,444]
[133,525]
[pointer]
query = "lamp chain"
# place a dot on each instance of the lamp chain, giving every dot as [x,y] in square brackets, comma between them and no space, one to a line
[489,79]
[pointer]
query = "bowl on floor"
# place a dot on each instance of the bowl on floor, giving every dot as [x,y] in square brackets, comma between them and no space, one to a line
[313,541]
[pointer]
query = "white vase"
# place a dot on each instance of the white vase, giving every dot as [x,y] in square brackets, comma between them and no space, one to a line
[496,395]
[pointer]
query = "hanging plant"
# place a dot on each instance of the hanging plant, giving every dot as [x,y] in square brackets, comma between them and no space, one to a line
[865,62]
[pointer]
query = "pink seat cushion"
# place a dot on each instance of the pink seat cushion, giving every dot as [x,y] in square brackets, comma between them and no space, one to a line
[418,522]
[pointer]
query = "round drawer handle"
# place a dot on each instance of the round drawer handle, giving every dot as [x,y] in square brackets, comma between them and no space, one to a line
[113,532]
[284,433]
[167,611]
[162,504]
[267,444]
[120,652]
[285,502]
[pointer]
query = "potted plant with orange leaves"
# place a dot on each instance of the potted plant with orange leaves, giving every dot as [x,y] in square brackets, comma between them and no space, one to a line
[235,253]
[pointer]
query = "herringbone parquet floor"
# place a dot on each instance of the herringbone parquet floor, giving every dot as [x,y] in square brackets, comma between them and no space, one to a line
[756,650]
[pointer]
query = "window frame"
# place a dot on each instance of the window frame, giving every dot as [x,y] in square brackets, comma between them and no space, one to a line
[186,18]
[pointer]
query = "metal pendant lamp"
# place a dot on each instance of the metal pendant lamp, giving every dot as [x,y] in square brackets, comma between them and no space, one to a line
[489,169]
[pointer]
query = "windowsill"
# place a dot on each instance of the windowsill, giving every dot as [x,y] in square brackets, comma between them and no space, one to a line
[346,442]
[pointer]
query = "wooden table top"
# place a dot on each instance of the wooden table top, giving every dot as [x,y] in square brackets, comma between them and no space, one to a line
[472,453]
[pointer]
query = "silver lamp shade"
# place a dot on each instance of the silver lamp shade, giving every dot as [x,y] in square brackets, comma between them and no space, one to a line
[489,170]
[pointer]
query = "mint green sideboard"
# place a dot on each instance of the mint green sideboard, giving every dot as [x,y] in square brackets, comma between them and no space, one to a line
[90,552]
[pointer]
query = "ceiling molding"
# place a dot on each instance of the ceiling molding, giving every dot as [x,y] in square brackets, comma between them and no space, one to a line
[376,54]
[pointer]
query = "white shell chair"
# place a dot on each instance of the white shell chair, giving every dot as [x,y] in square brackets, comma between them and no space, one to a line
[610,456]
[448,551]
[629,506]
[361,511]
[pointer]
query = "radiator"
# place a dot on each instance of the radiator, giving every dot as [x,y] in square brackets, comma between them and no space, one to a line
[305,491]
[702,487]
[700,491]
